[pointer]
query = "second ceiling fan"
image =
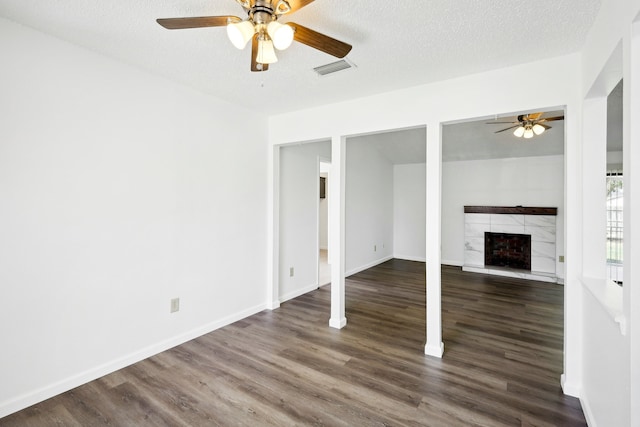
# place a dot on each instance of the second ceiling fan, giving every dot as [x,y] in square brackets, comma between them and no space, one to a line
[528,125]
[264,30]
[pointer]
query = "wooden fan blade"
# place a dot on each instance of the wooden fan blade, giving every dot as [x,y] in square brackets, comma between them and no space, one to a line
[319,41]
[298,4]
[552,119]
[512,127]
[534,116]
[196,22]
[545,126]
[255,66]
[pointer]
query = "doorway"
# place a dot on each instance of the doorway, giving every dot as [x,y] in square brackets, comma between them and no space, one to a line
[324,264]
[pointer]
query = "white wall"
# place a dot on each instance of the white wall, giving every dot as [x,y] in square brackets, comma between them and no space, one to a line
[474,96]
[611,340]
[118,191]
[299,202]
[526,181]
[369,206]
[409,216]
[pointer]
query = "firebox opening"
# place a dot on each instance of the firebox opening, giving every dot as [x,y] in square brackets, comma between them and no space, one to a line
[507,250]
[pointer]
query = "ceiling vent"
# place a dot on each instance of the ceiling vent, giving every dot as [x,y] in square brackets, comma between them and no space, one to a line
[334,67]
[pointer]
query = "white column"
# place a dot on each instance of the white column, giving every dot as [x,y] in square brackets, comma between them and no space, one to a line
[434,346]
[571,378]
[338,319]
[273,227]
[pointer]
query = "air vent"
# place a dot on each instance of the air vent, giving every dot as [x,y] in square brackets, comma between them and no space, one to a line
[334,67]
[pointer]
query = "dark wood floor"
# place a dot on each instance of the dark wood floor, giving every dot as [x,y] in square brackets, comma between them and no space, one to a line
[501,367]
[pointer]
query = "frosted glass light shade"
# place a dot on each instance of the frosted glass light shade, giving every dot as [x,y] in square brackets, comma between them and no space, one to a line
[266,54]
[282,35]
[519,131]
[240,33]
[538,129]
[528,133]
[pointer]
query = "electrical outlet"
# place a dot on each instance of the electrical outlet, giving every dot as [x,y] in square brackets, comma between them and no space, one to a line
[175,305]
[561,258]
[290,271]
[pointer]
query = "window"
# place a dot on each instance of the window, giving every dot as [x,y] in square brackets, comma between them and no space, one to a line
[615,203]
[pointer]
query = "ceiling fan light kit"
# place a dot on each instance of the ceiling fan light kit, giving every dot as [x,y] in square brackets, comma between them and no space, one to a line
[528,125]
[281,35]
[240,33]
[266,53]
[262,27]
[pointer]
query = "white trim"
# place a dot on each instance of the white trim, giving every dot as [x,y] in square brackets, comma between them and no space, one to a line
[568,388]
[25,400]
[586,409]
[435,351]
[453,263]
[410,258]
[338,324]
[297,292]
[368,265]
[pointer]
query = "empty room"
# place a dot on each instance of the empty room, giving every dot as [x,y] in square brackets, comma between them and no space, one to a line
[163,217]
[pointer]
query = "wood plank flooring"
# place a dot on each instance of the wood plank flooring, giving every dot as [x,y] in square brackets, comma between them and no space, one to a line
[502,363]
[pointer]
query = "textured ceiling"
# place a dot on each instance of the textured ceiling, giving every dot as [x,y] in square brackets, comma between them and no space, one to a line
[470,140]
[395,44]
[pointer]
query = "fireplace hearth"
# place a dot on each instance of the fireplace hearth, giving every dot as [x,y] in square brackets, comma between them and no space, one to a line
[507,250]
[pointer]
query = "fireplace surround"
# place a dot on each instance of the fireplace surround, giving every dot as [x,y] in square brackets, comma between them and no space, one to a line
[526,238]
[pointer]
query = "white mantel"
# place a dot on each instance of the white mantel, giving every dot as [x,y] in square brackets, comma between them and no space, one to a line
[541,228]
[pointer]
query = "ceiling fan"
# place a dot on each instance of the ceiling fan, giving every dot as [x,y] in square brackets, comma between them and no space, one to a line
[528,125]
[264,30]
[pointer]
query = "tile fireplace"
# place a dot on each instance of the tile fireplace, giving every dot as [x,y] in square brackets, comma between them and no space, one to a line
[514,241]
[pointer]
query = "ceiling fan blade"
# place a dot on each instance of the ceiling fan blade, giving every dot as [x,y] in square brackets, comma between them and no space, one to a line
[196,22]
[298,4]
[319,41]
[545,126]
[255,66]
[512,127]
[534,116]
[552,119]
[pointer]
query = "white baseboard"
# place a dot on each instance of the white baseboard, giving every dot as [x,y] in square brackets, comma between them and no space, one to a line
[366,266]
[434,350]
[410,257]
[588,412]
[569,388]
[296,293]
[450,262]
[31,398]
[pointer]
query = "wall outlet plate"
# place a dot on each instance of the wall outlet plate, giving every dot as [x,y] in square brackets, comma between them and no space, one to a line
[175,305]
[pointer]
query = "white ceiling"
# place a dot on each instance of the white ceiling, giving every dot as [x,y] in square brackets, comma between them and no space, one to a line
[395,44]
[470,140]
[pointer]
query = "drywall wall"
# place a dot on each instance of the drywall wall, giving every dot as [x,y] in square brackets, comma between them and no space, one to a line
[299,217]
[611,338]
[474,96]
[118,192]
[526,181]
[409,216]
[369,206]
